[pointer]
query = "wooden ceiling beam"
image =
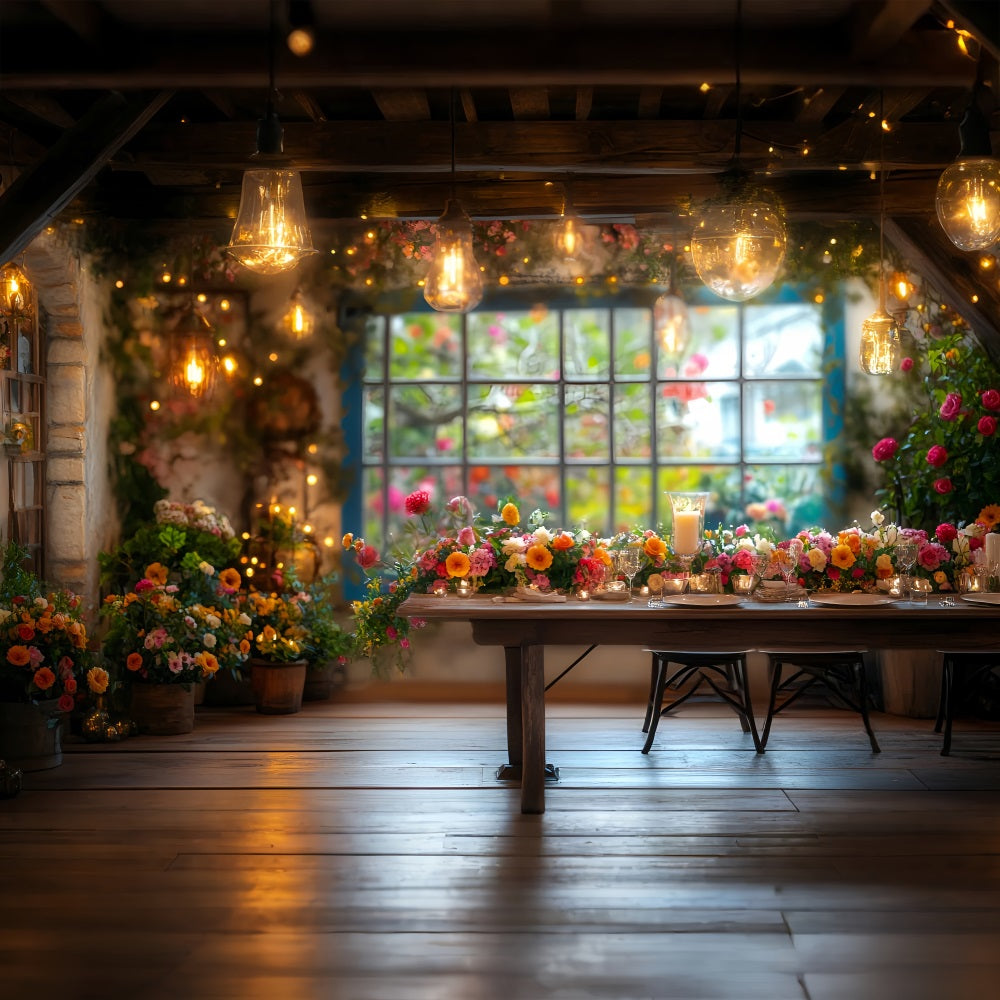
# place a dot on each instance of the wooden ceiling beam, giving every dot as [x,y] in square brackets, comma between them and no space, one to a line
[402,104]
[530,103]
[43,190]
[880,24]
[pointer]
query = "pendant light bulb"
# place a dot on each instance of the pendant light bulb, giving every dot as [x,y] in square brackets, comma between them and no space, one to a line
[671,324]
[739,244]
[879,351]
[193,361]
[569,235]
[454,283]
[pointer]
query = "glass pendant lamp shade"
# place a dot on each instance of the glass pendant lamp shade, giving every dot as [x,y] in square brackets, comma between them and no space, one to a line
[193,361]
[671,324]
[569,238]
[454,283]
[15,290]
[968,202]
[271,233]
[738,245]
[879,351]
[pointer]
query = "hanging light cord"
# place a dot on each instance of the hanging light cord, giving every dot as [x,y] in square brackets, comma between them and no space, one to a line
[881,199]
[738,52]
[451,117]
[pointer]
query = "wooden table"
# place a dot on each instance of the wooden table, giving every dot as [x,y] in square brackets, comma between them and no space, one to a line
[524,630]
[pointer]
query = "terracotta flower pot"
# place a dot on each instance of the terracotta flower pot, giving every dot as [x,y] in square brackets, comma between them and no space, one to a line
[278,687]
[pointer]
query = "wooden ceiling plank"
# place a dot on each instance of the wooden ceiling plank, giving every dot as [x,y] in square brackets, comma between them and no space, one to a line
[223,102]
[402,104]
[309,105]
[43,107]
[817,105]
[530,103]
[44,189]
[649,102]
[468,104]
[881,24]
[584,102]
[85,18]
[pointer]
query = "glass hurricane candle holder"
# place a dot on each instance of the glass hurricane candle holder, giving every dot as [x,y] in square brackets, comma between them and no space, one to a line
[688,524]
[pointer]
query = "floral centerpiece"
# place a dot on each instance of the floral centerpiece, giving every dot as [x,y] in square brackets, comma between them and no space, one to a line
[160,639]
[43,639]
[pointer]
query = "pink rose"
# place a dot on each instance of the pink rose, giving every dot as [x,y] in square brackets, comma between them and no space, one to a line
[942,486]
[990,399]
[906,364]
[143,585]
[987,426]
[937,456]
[946,533]
[884,449]
[951,407]
[467,536]
[932,555]
[367,557]
[418,502]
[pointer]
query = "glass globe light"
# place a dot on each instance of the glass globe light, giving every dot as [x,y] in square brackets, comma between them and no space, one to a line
[968,202]
[671,324]
[879,352]
[271,233]
[737,246]
[454,283]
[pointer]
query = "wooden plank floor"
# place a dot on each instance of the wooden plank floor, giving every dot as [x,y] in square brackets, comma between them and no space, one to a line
[365,852]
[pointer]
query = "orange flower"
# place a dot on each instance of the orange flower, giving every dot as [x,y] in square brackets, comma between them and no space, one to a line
[538,557]
[852,540]
[510,514]
[158,573]
[230,578]
[244,647]
[563,541]
[134,662]
[347,541]
[207,661]
[457,564]
[18,655]
[989,516]
[655,547]
[601,554]
[841,556]
[44,678]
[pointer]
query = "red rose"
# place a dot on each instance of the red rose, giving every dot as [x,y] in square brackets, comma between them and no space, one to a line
[951,407]
[942,486]
[884,449]
[990,399]
[418,502]
[906,364]
[367,556]
[987,426]
[937,456]
[946,533]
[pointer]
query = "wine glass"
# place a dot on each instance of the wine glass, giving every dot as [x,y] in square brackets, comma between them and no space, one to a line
[790,563]
[630,562]
[906,555]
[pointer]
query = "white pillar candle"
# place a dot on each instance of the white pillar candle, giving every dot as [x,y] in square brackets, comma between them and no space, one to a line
[686,524]
[992,548]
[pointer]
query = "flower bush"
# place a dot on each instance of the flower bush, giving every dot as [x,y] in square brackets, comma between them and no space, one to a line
[43,648]
[158,639]
[945,461]
[276,630]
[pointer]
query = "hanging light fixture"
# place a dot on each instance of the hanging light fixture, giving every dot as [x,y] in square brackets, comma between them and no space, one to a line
[15,290]
[879,352]
[738,242]
[569,235]
[193,361]
[671,322]
[271,233]
[298,321]
[454,283]
[968,192]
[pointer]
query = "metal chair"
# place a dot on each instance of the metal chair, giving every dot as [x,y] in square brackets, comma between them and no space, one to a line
[725,673]
[842,671]
[959,671]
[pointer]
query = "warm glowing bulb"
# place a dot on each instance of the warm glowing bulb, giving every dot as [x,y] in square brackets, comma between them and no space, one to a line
[312,479]
[879,353]
[194,374]
[229,364]
[968,202]
[671,325]
[301,41]
[569,238]
[454,283]
[154,404]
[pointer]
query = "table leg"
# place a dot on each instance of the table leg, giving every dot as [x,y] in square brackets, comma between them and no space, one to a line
[511,771]
[533,721]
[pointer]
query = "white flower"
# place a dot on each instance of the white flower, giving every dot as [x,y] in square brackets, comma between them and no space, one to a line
[208,640]
[878,518]
[244,618]
[207,568]
[542,535]
[213,621]
[516,559]
[4,615]
[40,602]
[513,546]
[960,546]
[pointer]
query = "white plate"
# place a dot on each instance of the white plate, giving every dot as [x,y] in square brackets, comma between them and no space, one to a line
[981,598]
[853,600]
[704,600]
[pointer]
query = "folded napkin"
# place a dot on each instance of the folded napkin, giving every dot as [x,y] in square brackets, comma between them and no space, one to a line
[522,595]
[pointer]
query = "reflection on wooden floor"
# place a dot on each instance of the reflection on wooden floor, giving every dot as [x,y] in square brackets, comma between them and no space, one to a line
[365,851]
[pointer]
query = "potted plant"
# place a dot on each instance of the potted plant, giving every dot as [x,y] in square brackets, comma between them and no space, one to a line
[278,645]
[328,647]
[163,646]
[43,659]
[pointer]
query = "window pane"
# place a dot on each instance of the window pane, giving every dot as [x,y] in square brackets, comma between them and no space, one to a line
[633,339]
[535,487]
[698,420]
[374,348]
[588,498]
[425,420]
[797,490]
[513,421]
[586,421]
[782,340]
[425,345]
[504,345]
[633,430]
[783,420]
[633,489]
[713,349]
[374,410]
[587,349]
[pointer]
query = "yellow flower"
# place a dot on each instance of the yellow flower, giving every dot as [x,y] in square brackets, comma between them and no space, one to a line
[97,680]
[883,566]
[457,564]
[655,547]
[510,514]
[841,556]
[940,577]
[989,516]
[538,557]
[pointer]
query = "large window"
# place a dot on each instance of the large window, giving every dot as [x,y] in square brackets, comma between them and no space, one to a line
[575,408]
